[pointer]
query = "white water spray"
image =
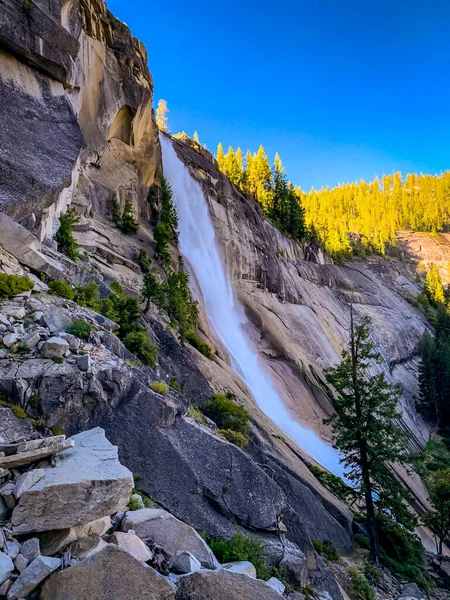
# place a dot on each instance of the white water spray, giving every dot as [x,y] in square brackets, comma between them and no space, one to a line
[226,316]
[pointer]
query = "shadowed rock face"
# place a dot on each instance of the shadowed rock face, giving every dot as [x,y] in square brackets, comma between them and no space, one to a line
[77,123]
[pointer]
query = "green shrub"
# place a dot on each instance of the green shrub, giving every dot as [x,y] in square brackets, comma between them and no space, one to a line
[199,344]
[12,285]
[129,225]
[309,592]
[18,412]
[372,574]
[227,414]
[175,384]
[139,344]
[64,237]
[88,295]
[132,363]
[241,547]
[195,413]
[61,288]
[134,504]
[58,360]
[116,216]
[401,551]
[81,329]
[160,387]
[326,549]
[56,430]
[143,261]
[360,588]
[361,540]
[236,438]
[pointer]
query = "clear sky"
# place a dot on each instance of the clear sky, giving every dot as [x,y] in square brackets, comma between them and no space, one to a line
[343,89]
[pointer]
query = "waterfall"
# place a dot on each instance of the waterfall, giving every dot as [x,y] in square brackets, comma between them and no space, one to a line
[225,315]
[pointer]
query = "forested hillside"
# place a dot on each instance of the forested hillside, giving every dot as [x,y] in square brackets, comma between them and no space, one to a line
[352,217]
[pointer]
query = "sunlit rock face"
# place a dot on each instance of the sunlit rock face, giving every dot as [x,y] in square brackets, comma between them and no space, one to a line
[78,125]
[299,304]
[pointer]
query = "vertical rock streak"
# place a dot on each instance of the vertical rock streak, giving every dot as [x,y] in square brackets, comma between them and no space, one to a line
[225,315]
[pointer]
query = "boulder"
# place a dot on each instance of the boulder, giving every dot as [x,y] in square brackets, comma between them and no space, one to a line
[21,563]
[55,541]
[276,585]
[30,549]
[83,362]
[86,547]
[132,544]
[223,585]
[32,339]
[411,591]
[4,321]
[56,319]
[159,527]
[33,575]
[10,339]
[86,483]
[6,567]
[111,573]
[14,311]
[241,566]
[184,562]
[55,347]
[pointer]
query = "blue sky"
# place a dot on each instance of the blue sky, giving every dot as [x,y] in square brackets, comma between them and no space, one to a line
[342,89]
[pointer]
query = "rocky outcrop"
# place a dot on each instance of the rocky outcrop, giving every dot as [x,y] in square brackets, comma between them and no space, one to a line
[80,65]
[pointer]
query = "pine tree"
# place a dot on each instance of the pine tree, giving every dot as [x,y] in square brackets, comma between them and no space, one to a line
[129,225]
[364,427]
[196,138]
[428,400]
[433,286]
[220,157]
[438,519]
[232,170]
[161,116]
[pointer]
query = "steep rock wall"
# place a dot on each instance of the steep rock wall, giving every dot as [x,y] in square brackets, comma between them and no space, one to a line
[299,304]
[78,122]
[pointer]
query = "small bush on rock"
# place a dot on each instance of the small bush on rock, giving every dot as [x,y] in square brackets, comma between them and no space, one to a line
[326,549]
[236,438]
[241,547]
[61,288]
[134,504]
[227,414]
[12,285]
[88,295]
[18,412]
[195,413]
[160,387]
[362,541]
[360,588]
[80,329]
[64,237]
[199,344]
[139,344]
[143,260]
[175,384]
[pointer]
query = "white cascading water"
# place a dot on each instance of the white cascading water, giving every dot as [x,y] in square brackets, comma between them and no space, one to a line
[225,315]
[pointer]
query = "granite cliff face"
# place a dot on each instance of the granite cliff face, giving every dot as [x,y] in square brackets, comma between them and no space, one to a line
[78,129]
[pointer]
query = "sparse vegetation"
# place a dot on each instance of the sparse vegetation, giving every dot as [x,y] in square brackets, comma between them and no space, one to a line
[334,483]
[125,221]
[138,343]
[58,360]
[61,288]
[160,387]
[199,344]
[241,547]
[64,236]
[195,413]
[326,549]
[228,414]
[134,504]
[12,285]
[360,588]
[57,430]
[175,384]
[143,261]
[18,412]
[88,295]
[235,437]
[81,329]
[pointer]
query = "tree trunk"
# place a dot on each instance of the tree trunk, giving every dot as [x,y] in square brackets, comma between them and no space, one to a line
[365,469]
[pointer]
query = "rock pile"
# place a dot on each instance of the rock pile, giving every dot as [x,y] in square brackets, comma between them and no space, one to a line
[65,532]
